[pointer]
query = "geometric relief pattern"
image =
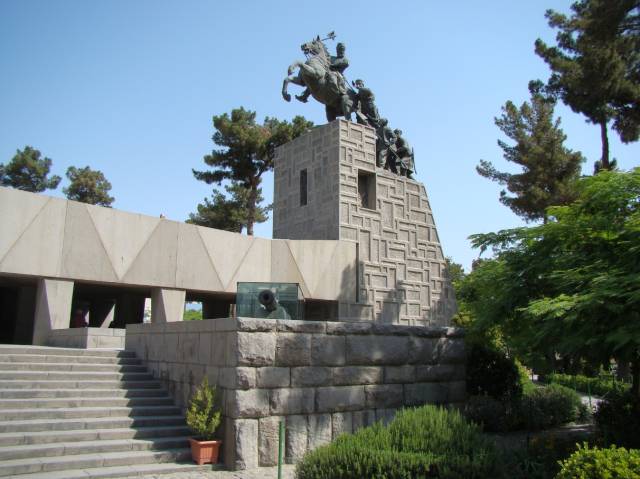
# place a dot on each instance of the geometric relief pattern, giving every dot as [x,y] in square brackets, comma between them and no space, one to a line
[84,255]
[401,271]
[123,235]
[16,220]
[29,242]
[315,268]
[201,273]
[156,262]
[225,252]
[50,237]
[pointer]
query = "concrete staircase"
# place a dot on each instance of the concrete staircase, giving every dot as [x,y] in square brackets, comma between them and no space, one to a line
[71,413]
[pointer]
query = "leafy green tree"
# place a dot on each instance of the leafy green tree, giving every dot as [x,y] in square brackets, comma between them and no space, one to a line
[29,172]
[88,186]
[571,285]
[229,213]
[454,270]
[596,66]
[247,150]
[549,169]
[192,315]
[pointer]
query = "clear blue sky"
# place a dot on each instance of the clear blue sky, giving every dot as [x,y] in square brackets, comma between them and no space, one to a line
[129,88]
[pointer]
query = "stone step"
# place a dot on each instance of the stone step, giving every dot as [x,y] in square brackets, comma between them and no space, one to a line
[80,402]
[84,461]
[8,349]
[84,393]
[60,358]
[86,412]
[134,470]
[70,384]
[9,453]
[66,424]
[69,375]
[71,413]
[71,367]
[77,435]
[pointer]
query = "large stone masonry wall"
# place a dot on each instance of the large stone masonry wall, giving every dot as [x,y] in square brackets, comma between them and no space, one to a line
[320,378]
[402,270]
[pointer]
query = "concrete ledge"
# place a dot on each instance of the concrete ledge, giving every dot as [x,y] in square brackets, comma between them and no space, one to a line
[87,338]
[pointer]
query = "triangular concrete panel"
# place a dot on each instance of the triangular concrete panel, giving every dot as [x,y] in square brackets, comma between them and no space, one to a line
[155,264]
[255,265]
[83,254]
[195,267]
[16,220]
[284,267]
[315,260]
[123,235]
[38,249]
[226,251]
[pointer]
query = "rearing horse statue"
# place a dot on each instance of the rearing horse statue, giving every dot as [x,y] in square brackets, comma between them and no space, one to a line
[326,86]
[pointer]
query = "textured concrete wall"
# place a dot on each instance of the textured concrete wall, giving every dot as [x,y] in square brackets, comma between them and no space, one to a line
[87,338]
[49,237]
[402,273]
[320,378]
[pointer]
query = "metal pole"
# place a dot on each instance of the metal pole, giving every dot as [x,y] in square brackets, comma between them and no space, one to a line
[280,439]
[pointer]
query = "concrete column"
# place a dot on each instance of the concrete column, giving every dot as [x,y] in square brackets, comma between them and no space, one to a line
[167,305]
[53,308]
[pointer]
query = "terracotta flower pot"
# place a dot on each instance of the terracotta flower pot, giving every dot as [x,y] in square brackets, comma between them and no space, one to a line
[204,452]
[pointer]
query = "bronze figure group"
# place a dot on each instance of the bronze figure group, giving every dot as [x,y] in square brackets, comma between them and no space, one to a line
[323,77]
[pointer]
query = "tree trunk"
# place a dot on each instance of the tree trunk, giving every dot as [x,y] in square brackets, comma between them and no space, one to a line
[605,146]
[251,209]
[635,375]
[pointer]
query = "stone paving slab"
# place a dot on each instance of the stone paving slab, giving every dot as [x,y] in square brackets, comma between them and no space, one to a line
[288,472]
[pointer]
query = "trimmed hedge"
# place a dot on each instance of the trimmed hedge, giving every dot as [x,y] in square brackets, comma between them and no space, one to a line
[612,463]
[600,386]
[551,406]
[539,408]
[424,442]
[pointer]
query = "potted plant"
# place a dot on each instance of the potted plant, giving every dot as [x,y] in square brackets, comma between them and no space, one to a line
[203,418]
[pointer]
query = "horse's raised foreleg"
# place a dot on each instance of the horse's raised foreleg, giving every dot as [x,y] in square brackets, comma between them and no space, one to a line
[293,67]
[285,94]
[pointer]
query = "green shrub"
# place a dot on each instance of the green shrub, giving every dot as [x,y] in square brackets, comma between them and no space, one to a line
[203,415]
[490,413]
[525,378]
[423,442]
[492,373]
[596,463]
[539,408]
[600,386]
[550,406]
[618,420]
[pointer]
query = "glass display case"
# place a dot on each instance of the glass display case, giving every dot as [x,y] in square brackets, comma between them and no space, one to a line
[270,300]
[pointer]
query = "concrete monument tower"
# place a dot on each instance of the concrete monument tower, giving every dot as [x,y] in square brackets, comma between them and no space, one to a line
[328,186]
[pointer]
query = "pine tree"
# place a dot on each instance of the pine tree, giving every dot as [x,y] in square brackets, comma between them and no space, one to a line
[596,66]
[27,171]
[247,152]
[549,169]
[229,213]
[88,186]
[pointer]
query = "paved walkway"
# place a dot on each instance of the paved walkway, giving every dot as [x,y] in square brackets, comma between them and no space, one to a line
[288,472]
